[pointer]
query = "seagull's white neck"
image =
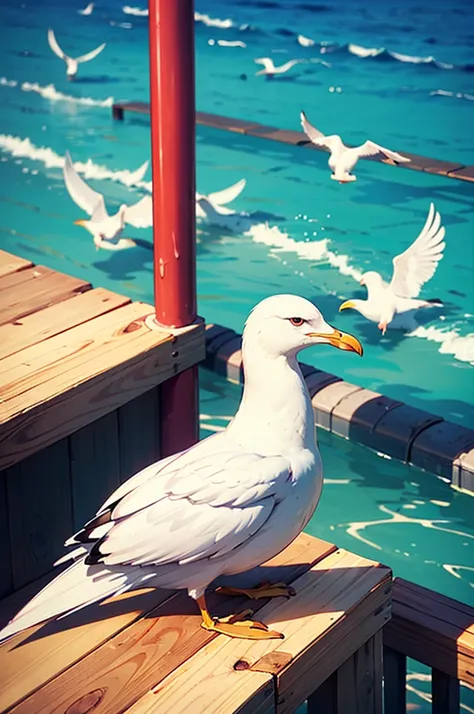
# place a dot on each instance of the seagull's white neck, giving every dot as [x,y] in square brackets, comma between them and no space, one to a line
[276,411]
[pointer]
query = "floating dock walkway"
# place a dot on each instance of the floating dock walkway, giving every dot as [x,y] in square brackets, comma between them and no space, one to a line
[451,169]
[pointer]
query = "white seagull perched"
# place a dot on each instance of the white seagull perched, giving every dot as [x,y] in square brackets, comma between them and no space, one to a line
[398,300]
[269,68]
[72,65]
[88,10]
[343,158]
[106,230]
[217,199]
[224,506]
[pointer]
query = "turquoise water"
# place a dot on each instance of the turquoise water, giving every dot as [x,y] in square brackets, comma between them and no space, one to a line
[303,232]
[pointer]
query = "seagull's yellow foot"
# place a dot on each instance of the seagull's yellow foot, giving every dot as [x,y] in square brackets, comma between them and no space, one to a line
[236,625]
[263,590]
[382,326]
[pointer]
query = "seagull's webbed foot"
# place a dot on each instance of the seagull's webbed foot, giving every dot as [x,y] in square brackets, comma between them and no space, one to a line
[262,591]
[383,327]
[236,625]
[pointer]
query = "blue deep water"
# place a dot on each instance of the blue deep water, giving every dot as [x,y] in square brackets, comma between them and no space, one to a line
[398,72]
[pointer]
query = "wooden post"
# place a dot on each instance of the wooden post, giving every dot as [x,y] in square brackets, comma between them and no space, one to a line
[173,116]
[394,675]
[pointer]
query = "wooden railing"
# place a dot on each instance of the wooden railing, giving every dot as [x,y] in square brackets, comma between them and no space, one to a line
[432,629]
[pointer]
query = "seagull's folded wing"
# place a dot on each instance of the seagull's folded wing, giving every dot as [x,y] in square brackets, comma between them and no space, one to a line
[190,509]
[418,263]
[90,55]
[140,214]
[227,194]
[370,148]
[92,202]
[54,45]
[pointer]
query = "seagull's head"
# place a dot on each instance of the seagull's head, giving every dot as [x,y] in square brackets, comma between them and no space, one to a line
[371,280]
[283,325]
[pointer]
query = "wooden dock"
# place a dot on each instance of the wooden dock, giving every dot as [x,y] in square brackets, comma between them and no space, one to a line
[147,654]
[451,169]
[80,380]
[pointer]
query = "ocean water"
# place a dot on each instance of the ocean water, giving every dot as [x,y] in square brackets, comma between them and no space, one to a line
[402,74]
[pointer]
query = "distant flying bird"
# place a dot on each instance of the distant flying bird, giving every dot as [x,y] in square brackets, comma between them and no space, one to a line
[343,158]
[87,10]
[72,65]
[225,505]
[269,68]
[217,199]
[387,302]
[106,230]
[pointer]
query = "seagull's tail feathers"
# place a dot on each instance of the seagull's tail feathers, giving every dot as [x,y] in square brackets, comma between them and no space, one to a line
[77,586]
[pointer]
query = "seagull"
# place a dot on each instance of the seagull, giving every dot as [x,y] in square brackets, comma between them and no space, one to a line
[87,10]
[411,269]
[72,65]
[236,222]
[343,158]
[269,68]
[305,41]
[217,199]
[225,505]
[106,230]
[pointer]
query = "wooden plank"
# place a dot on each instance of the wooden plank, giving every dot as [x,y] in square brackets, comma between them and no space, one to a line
[102,375]
[34,289]
[324,699]
[433,629]
[126,666]
[10,263]
[395,676]
[445,692]
[53,320]
[208,683]
[6,574]
[95,467]
[139,425]
[39,509]
[359,680]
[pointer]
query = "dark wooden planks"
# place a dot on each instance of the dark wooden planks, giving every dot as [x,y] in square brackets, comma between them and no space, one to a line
[51,321]
[10,263]
[445,692]
[33,289]
[139,428]
[6,573]
[395,675]
[95,466]
[39,505]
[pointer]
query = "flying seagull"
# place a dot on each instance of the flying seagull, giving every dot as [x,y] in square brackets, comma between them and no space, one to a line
[72,65]
[88,10]
[343,158]
[411,269]
[106,230]
[217,199]
[224,506]
[269,68]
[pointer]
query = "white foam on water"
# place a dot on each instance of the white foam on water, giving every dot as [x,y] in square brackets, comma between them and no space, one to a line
[318,250]
[136,11]
[455,95]
[305,41]
[213,21]
[227,43]
[24,148]
[50,92]
[360,51]
[450,341]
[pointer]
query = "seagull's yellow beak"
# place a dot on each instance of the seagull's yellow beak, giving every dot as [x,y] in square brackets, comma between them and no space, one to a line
[341,340]
[346,305]
[80,222]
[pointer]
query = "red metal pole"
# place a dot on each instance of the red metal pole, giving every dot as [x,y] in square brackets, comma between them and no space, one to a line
[173,119]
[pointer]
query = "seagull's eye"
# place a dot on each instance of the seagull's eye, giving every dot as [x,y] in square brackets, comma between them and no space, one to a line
[297,321]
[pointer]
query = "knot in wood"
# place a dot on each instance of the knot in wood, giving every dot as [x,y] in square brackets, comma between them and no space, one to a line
[135,325]
[241,665]
[87,703]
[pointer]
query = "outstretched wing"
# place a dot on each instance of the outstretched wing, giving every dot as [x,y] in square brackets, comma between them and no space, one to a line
[54,45]
[92,202]
[90,55]
[370,148]
[227,194]
[209,505]
[266,61]
[137,176]
[416,265]
[317,137]
[140,214]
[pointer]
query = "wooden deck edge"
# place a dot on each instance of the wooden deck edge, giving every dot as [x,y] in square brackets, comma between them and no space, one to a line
[450,169]
[412,435]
